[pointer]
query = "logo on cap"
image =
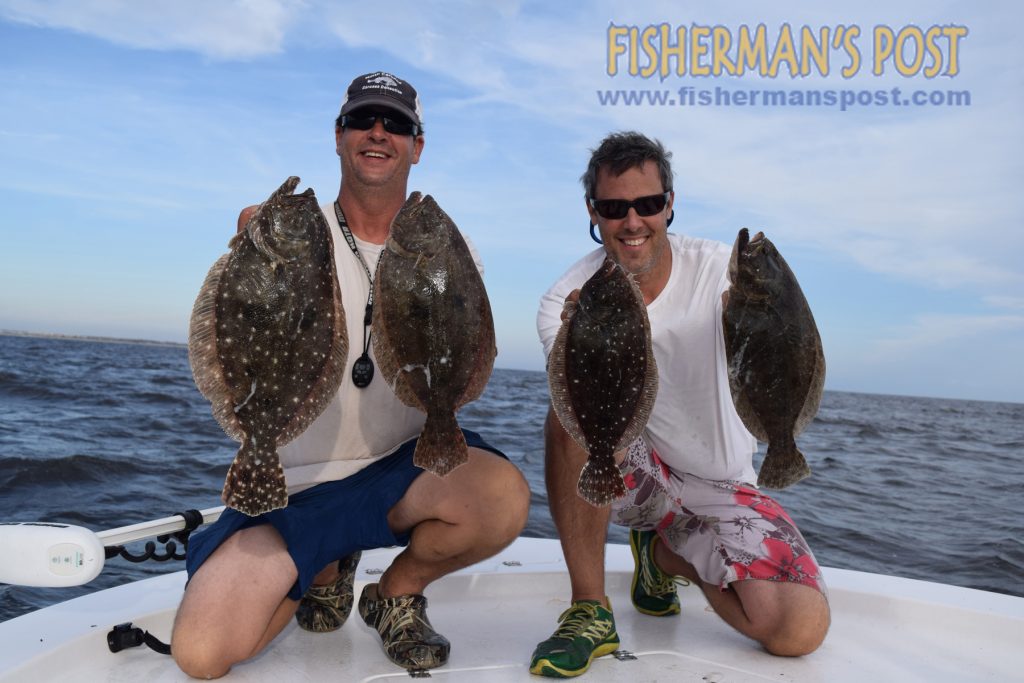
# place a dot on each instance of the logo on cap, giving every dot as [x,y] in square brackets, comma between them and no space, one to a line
[382,88]
[384,79]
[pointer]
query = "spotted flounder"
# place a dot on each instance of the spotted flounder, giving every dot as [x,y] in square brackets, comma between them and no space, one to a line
[603,377]
[776,363]
[433,334]
[267,340]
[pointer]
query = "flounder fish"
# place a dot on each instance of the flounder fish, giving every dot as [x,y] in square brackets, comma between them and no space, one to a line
[433,334]
[776,363]
[267,340]
[603,377]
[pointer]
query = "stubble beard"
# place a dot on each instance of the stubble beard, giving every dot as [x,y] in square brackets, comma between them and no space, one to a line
[643,268]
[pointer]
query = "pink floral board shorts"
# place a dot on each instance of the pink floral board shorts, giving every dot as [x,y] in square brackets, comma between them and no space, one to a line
[728,530]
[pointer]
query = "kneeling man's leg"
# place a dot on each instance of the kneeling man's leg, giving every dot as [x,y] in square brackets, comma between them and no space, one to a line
[450,523]
[235,603]
[770,588]
[455,521]
[788,619]
[738,544]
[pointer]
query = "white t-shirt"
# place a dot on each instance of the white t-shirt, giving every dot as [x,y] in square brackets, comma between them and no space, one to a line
[358,426]
[694,426]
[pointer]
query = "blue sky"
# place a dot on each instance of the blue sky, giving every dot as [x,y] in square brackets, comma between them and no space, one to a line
[131,134]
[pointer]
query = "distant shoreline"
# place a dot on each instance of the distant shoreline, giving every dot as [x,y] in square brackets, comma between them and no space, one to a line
[88,338]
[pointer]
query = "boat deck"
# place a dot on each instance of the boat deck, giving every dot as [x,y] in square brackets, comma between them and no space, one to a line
[883,629]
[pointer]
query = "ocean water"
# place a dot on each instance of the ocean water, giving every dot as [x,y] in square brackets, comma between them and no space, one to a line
[105,434]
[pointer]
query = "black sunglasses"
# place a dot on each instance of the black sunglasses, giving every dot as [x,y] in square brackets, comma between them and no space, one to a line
[618,208]
[393,126]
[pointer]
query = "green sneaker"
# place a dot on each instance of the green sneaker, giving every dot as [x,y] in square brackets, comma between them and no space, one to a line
[586,630]
[654,592]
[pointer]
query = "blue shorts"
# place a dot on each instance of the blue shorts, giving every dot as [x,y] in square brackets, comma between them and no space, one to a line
[331,520]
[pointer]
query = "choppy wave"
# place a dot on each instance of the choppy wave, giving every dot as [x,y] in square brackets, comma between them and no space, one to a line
[24,472]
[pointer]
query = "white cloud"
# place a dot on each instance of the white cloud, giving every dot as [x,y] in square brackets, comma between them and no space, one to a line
[67,192]
[931,262]
[1005,301]
[31,136]
[230,29]
[928,331]
[500,51]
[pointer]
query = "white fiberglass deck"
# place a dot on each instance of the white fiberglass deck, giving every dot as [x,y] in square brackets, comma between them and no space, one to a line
[883,629]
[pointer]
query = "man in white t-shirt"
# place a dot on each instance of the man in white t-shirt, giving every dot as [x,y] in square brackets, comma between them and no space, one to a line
[692,510]
[351,481]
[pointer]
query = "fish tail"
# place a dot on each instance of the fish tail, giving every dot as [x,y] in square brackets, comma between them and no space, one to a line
[255,481]
[783,465]
[600,482]
[441,446]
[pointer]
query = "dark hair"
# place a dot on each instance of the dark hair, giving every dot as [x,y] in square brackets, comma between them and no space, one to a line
[620,152]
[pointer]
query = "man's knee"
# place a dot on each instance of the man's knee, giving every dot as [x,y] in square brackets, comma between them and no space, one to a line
[509,499]
[197,656]
[787,619]
[794,644]
[798,633]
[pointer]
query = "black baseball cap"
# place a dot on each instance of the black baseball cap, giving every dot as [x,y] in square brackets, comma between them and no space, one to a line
[384,89]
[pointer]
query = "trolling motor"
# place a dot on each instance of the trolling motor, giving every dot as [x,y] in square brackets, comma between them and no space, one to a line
[45,554]
[53,555]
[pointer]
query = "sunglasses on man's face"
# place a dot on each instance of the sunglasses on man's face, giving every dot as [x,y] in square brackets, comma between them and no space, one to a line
[618,208]
[393,126]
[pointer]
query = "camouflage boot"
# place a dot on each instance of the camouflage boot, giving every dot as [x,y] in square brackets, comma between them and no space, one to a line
[409,639]
[325,608]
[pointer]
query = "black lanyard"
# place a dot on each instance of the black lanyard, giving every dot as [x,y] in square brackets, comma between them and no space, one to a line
[362,369]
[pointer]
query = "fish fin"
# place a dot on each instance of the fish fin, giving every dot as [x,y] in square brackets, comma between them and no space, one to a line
[485,354]
[333,373]
[253,488]
[600,481]
[558,387]
[202,352]
[441,446]
[783,465]
[813,398]
[487,349]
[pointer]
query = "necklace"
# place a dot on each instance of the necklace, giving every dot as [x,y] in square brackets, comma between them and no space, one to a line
[362,369]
